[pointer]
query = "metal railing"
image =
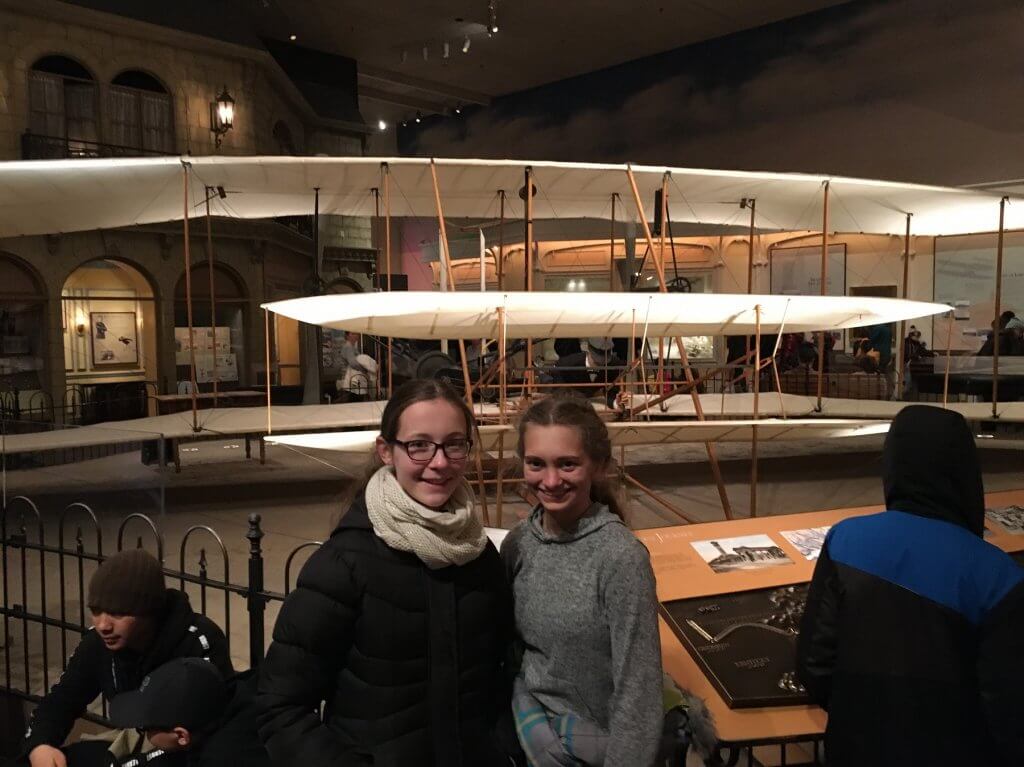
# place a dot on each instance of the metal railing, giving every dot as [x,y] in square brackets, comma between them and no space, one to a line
[34,630]
[35,146]
[79,406]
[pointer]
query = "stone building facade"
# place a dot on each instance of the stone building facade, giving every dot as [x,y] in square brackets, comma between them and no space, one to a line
[97,81]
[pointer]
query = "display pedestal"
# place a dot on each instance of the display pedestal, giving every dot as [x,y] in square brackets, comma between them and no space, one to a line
[684,574]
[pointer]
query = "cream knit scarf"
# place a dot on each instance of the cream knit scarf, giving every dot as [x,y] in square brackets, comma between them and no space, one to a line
[438,538]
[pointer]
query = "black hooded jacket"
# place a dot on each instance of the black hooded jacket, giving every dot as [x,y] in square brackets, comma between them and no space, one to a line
[913,637]
[407,661]
[94,670]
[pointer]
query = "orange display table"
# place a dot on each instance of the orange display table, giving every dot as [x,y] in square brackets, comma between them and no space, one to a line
[681,573]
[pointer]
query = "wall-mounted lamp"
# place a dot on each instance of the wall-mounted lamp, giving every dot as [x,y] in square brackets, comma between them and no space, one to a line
[222,115]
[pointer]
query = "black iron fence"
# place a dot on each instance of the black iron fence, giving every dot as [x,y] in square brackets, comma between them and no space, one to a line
[35,146]
[47,561]
[80,404]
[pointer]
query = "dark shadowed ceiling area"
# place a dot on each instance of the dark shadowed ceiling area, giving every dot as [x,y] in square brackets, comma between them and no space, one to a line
[400,45]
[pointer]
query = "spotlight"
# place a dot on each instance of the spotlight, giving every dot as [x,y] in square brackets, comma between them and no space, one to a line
[381,125]
[405,124]
[445,50]
[492,26]
[458,110]
[293,38]
[419,117]
[465,44]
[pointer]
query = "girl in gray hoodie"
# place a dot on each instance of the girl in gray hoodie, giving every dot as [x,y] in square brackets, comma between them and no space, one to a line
[589,689]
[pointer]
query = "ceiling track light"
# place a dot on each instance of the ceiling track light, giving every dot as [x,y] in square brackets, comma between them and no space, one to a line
[419,116]
[445,50]
[465,44]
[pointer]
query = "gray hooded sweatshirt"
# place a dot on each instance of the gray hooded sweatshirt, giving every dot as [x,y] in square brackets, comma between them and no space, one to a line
[587,613]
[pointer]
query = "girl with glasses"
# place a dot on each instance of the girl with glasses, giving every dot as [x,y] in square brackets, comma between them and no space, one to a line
[589,691]
[400,622]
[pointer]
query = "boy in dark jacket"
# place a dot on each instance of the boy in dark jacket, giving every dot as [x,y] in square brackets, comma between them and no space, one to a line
[138,625]
[192,717]
[912,636]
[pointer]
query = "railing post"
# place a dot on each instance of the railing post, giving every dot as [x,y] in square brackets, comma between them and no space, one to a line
[254,595]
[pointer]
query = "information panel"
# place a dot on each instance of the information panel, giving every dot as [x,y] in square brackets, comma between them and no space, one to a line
[745,643]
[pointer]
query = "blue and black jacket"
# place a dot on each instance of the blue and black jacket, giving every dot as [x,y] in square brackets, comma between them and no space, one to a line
[913,637]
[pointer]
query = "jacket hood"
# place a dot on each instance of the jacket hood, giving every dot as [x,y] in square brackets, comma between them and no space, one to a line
[930,468]
[176,619]
[597,516]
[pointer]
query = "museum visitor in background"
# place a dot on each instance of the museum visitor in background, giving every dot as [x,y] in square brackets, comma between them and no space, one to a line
[401,622]
[912,637]
[138,625]
[873,351]
[589,691]
[1011,329]
[594,370]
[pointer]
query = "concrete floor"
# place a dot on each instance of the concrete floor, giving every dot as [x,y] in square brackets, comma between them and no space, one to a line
[298,498]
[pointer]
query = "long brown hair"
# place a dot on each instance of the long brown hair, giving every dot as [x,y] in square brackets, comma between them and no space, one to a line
[406,395]
[579,414]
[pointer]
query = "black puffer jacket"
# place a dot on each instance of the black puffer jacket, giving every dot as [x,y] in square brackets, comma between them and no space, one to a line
[407,659]
[94,670]
[913,637]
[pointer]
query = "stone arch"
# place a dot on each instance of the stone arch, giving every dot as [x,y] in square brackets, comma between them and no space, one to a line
[109,315]
[229,285]
[20,278]
[25,359]
[343,285]
[60,63]
[146,279]
[228,313]
[140,78]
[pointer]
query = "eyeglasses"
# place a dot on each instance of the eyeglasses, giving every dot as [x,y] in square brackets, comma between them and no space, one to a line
[423,451]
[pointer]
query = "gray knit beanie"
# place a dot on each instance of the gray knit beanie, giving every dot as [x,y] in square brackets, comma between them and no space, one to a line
[128,583]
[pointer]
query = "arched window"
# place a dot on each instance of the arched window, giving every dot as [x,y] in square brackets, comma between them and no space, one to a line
[141,115]
[23,352]
[223,336]
[62,109]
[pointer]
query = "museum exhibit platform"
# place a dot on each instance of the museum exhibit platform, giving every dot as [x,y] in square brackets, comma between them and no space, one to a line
[690,582]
